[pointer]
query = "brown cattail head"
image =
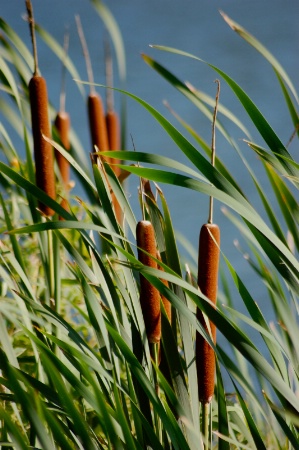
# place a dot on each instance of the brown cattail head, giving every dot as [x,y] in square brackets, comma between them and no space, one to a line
[97,123]
[43,152]
[166,303]
[208,263]
[112,124]
[149,295]
[62,124]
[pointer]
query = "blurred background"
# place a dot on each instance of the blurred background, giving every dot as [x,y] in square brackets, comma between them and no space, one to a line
[195,26]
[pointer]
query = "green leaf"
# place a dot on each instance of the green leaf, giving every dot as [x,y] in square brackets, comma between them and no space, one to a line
[263,51]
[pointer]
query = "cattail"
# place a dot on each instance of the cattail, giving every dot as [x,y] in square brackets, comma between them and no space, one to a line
[165,301]
[97,123]
[208,262]
[62,125]
[43,152]
[149,295]
[112,125]
[96,114]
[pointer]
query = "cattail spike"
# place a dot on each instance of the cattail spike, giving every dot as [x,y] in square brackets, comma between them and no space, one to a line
[43,152]
[149,295]
[208,263]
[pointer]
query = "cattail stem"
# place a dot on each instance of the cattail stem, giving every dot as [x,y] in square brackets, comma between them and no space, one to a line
[149,295]
[205,425]
[32,33]
[155,351]
[213,146]
[85,54]
[63,74]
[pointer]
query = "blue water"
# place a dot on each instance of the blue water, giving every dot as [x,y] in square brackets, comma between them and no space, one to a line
[197,27]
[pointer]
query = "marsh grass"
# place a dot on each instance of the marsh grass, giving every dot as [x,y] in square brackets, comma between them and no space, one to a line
[82,376]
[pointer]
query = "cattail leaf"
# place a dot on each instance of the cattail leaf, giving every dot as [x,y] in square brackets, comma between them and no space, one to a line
[8,76]
[172,257]
[278,249]
[148,431]
[59,430]
[67,402]
[180,398]
[128,438]
[293,112]
[259,323]
[288,204]
[207,149]
[153,159]
[210,101]
[72,162]
[18,43]
[14,242]
[251,423]
[13,117]
[28,400]
[172,427]
[263,51]
[276,164]
[223,425]
[187,92]
[256,116]
[201,163]
[282,418]
[18,439]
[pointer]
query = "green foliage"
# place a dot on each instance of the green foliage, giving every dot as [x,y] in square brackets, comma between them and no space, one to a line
[75,366]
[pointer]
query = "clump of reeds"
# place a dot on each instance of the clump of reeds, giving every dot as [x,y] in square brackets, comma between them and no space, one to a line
[43,151]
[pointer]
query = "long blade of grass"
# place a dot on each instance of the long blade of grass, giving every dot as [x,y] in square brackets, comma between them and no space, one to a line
[263,51]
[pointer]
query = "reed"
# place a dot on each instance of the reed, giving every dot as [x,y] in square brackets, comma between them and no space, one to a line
[112,125]
[165,301]
[149,295]
[43,151]
[96,113]
[62,125]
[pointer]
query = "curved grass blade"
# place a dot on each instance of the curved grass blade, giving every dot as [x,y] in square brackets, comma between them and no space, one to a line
[291,434]
[18,43]
[256,116]
[263,51]
[262,231]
